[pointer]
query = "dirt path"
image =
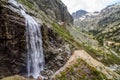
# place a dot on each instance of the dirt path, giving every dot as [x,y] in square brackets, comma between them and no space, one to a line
[92,62]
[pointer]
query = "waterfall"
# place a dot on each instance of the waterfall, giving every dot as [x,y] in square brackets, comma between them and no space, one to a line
[35,57]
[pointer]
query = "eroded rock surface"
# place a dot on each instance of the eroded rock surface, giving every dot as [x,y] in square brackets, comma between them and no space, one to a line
[56,50]
[12,42]
[13,45]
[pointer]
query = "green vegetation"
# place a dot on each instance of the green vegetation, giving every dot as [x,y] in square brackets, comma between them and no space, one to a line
[63,32]
[106,58]
[29,4]
[99,54]
[33,9]
[2,2]
[110,34]
[80,71]
[94,52]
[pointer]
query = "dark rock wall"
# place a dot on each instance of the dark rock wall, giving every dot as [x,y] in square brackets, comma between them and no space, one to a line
[56,49]
[13,53]
[12,42]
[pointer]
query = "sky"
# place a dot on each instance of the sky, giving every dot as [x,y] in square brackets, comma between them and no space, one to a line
[88,5]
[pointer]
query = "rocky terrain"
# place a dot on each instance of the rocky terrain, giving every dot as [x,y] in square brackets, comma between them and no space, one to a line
[12,42]
[60,42]
[79,62]
[101,31]
[79,13]
[105,25]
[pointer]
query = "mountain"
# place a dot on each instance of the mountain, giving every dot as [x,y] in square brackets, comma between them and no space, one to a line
[79,13]
[100,33]
[39,42]
[86,18]
[55,9]
[110,27]
[105,25]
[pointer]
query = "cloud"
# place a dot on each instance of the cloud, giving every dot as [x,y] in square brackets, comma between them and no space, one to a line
[88,5]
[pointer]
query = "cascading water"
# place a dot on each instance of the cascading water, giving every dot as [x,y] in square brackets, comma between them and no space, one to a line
[35,61]
[34,46]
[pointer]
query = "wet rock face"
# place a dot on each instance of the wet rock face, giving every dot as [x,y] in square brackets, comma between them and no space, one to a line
[13,45]
[12,42]
[56,50]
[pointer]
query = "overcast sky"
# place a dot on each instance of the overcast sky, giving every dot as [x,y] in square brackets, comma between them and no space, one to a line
[88,5]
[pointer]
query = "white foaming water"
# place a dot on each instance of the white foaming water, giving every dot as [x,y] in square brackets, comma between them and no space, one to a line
[13,3]
[35,61]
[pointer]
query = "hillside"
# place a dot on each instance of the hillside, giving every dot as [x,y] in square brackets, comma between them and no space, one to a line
[38,41]
[82,62]
[104,26]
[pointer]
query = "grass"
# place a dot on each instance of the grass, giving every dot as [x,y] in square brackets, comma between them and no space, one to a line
[80,71]
[29,4]
[32,8]
[64,33]
[107,58]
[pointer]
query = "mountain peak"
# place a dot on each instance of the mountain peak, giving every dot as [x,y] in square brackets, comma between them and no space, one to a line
[79,13]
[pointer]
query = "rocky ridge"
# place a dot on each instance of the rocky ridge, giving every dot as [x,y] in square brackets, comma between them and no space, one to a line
[79,14]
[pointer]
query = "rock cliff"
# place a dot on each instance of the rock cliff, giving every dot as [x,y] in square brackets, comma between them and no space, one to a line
[79,14]
[56,9]
[13,41]
[52,8]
